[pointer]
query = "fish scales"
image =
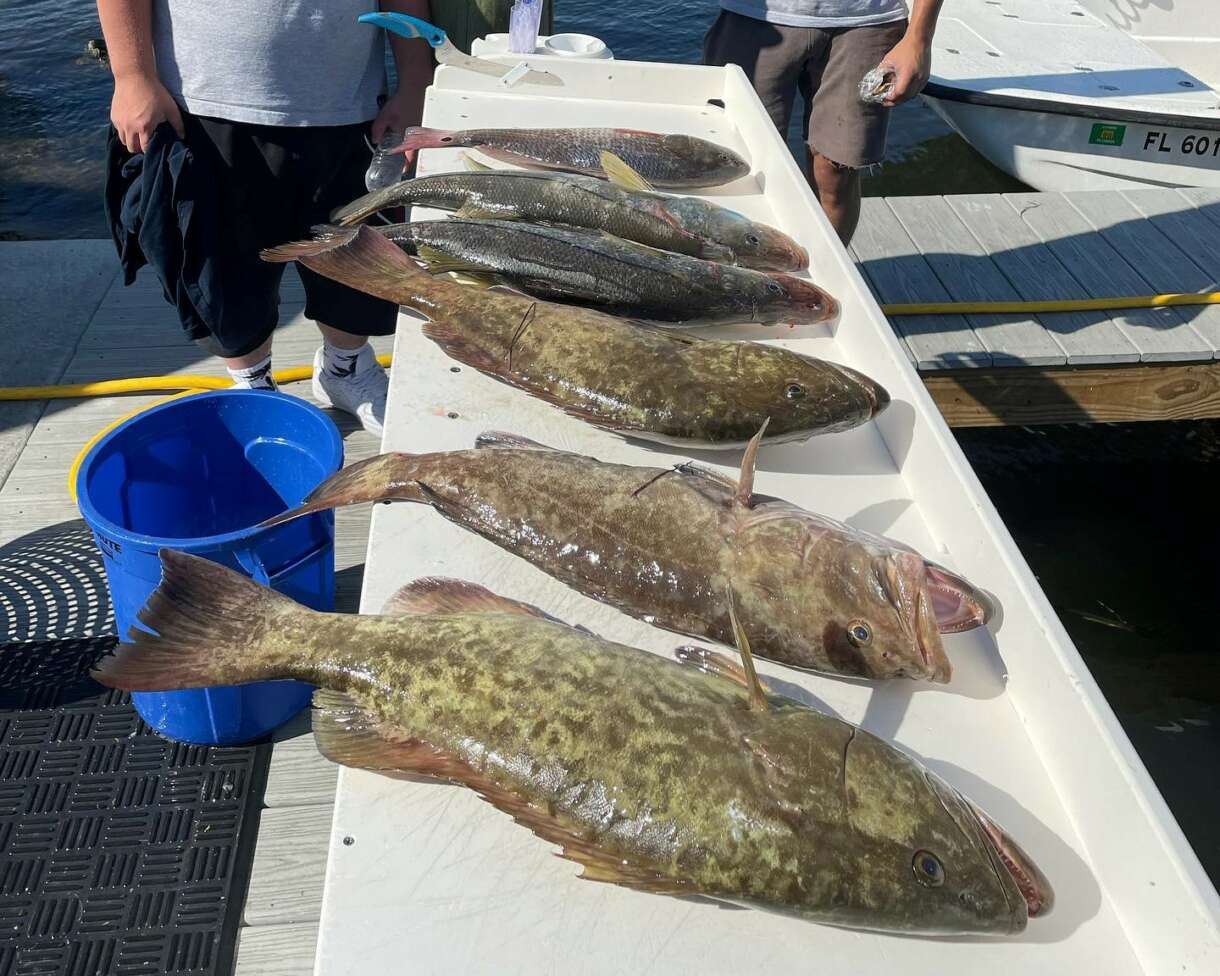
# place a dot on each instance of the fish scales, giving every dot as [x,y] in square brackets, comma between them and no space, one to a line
[669,545]
[651,773]
[611,372]
[664,159]
[614,275]
[686,225]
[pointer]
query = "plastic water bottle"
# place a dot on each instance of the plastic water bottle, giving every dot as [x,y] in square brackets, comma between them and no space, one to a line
[386,167]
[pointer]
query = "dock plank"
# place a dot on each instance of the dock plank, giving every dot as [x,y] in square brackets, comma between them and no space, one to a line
[289,865]
[299,775]
[1158,260]
[1036,274]
[969,275]
[276,950]
[897,272]
[1187,225]
[1160,334]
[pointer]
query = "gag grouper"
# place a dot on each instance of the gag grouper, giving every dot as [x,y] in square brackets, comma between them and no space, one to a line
[624,208]
[610,372]
[666,544]
[683,779]
[668,161]
[560,264]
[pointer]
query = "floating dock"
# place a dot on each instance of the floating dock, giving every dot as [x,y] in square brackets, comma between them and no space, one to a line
[1058,367]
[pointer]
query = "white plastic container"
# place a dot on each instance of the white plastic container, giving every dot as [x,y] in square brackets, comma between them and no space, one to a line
[424,878]
[572,46]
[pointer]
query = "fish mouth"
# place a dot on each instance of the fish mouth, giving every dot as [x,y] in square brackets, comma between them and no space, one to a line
[927,639]
[878,396]
[1030,881]
[957,604]
[806,302]
[776,252]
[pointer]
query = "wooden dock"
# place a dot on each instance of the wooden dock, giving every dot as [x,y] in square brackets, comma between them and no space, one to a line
[70,320]
[1063,367]
[89,327]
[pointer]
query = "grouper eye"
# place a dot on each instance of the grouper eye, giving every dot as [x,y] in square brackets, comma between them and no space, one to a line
[752,240]
[775,288]
[859,633]
[794,391]
[928,869]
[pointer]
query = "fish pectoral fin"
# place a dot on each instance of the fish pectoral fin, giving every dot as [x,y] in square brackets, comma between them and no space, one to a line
[472,211]
[758,695]
[621,174]
[713,662]
[461,346]
[745,482]
[437,594]
[502,438]
[346,734]
[693,470]
[439,262]
[474,165]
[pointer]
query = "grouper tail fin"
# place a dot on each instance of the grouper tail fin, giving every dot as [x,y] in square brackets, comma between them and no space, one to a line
[211,627]
[363,259]
[384,478]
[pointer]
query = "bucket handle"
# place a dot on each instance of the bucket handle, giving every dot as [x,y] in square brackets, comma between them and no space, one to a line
[252,563]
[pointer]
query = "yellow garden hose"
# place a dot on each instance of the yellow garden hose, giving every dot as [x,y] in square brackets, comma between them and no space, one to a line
[148,384]
[142,384]
[1062,305]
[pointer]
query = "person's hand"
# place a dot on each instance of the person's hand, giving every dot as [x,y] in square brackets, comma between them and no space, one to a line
[140,104]
[911,61]
[400,111]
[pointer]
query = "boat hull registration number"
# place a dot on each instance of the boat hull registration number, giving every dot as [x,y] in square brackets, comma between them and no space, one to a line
[1177,142]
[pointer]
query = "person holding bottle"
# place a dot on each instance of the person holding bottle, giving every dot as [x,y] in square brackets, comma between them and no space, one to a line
[823,48]
[239,125]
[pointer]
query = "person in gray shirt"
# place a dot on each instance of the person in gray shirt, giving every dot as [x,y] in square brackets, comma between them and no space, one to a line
[823,48]
[277,99]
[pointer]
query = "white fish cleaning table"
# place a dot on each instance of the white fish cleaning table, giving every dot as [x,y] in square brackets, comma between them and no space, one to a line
[426,878]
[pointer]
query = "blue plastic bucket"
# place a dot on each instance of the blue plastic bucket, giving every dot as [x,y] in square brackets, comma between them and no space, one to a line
[198,474]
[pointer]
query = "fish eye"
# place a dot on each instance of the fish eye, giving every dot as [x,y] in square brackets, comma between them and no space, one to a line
[794,391]
[752,240]
[929,872]
[859,633]
[775,288]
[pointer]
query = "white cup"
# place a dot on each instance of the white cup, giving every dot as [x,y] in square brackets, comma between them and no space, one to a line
[576,46]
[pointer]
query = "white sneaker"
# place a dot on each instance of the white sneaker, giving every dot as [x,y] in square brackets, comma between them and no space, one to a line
[362,394]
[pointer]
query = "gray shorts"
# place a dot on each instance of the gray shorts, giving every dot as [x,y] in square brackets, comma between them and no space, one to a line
[826,65]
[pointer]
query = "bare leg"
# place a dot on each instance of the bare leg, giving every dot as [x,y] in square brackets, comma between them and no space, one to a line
[838,190]
[343,340]
[250,358]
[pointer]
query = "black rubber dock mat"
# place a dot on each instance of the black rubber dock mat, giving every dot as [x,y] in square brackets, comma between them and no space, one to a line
[120,852]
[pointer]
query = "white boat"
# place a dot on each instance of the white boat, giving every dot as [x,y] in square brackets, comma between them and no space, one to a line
[427,879]
[1084,94]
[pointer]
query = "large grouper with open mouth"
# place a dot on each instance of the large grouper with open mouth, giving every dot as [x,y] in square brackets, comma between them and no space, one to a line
[614,373]
[666,544]
[675,778]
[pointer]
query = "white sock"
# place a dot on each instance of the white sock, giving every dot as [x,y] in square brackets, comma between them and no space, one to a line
[340,362]
[256,377]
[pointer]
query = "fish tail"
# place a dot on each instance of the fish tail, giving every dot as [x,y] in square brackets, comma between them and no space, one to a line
[361,258]
[210,624]
[384,478]
[360,209]
[421,137]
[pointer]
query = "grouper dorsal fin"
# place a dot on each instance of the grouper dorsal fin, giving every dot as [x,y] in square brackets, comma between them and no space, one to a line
[621,174]
[758,694]
[505,439]
[745,483]
[438,594]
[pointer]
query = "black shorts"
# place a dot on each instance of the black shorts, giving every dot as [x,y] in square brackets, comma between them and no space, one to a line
[274,184]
